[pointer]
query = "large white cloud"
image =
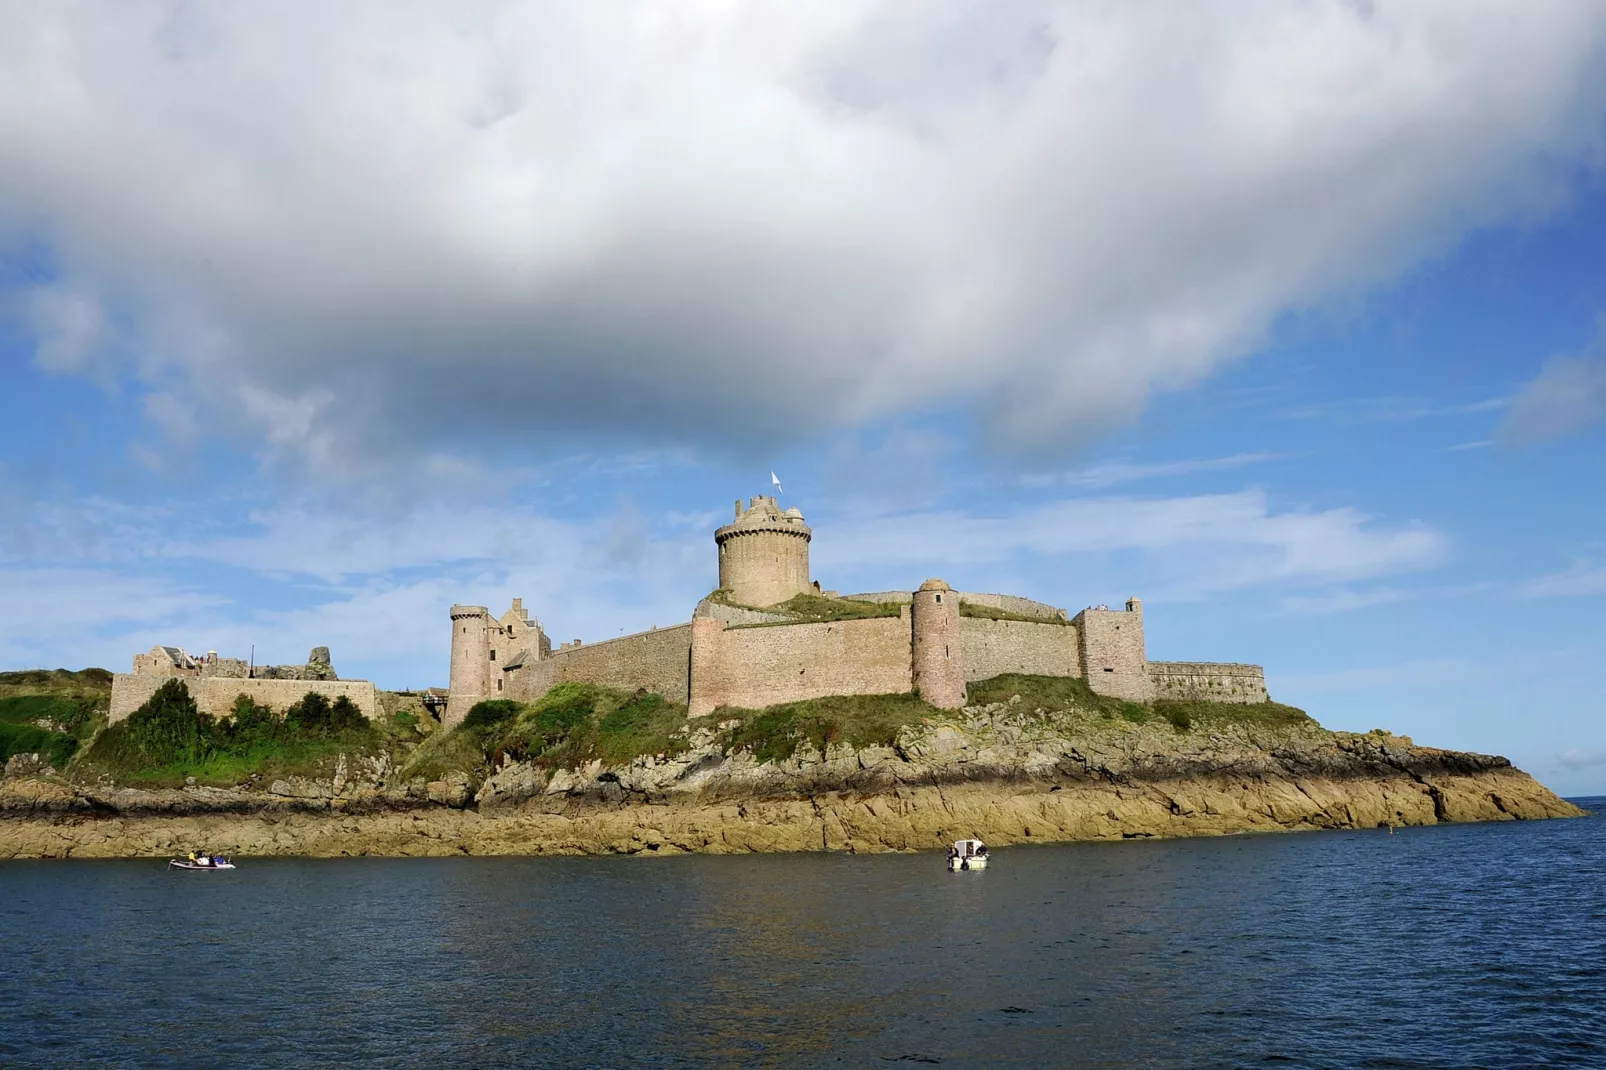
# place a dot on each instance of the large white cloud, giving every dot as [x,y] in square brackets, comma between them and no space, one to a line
[359,228]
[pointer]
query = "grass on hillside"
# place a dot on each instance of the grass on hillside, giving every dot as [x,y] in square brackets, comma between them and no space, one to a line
[575,723]
[1057,693]
[51,712]
[572,724]
[775,732]
[87,683]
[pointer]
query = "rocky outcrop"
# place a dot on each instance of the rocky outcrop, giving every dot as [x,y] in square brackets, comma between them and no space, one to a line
[1001,773]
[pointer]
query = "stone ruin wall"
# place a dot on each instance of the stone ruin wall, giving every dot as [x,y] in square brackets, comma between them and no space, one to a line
[216,694]
[764,665]
[994,647]
[658,660]
[1211,681]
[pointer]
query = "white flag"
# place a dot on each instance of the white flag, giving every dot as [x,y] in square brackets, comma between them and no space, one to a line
[775,479]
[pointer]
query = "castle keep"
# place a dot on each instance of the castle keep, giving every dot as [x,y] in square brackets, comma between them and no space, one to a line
[770,634]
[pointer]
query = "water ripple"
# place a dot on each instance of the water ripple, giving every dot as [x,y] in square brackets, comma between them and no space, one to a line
[1452,946]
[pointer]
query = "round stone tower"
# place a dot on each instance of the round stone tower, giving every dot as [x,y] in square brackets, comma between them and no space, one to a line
[471,662]
[939,670]
[764,554]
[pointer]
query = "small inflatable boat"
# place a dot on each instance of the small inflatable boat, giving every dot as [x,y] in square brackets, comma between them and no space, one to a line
[201,863]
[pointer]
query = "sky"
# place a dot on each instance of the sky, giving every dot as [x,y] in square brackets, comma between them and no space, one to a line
[1289,318]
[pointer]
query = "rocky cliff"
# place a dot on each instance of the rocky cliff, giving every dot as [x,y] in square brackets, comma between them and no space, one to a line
[1001,772]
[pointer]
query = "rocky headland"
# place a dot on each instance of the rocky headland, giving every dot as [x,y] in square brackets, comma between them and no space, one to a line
[1004,772]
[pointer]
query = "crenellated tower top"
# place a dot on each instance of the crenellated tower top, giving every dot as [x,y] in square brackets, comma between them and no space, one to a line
[764,553]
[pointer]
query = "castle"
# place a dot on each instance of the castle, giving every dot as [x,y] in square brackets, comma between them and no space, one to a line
[770,634]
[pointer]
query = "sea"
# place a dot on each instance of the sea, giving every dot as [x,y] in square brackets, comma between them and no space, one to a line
[1448,946]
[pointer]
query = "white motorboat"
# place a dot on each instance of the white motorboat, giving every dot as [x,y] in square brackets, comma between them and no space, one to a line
[201,863]
[967,855]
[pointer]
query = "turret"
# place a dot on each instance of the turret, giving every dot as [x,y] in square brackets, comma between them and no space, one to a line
[764,554]
[471,662]
[939,667]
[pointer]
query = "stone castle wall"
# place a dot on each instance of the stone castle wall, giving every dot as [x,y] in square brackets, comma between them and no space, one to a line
[657,660]
[1212,681]
[1010,603]
[994,647]
[763,665]
[1113,656]
[216,694]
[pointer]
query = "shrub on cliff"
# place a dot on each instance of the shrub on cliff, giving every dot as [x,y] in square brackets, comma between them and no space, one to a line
[314,716]
[572,724]
[169,738]
[168,728]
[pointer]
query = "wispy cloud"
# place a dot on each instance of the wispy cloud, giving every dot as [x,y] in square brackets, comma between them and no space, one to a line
[1567,396]
[1114,473]
[1341,601]
[1426,673]
[1583,578]
[1391,410]
[1199,544]
[1577,758]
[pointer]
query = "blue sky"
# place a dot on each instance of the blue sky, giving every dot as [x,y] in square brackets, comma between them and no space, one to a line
[1286,318]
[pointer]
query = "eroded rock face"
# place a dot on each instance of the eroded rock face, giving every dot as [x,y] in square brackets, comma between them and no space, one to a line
[1002,773]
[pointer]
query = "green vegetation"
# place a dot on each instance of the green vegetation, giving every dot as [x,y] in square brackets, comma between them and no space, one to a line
[169,739]
[1039,692]
[1196,713]
[570,725]
[812,609]
[971,609]
[774,733]
[816,607]
[576,723]
[1057,693]
[51,712]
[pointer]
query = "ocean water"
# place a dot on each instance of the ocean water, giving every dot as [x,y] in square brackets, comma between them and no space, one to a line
[1460,945]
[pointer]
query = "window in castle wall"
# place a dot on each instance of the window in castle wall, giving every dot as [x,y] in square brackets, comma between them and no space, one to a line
[493,655]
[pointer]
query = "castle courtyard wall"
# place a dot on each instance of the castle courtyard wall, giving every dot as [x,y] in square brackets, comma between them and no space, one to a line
[658,660]
[994,647]
[764,665]
[1211,681]
[216,694]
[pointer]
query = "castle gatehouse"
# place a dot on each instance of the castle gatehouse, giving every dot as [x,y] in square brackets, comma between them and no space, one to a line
[770,634]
